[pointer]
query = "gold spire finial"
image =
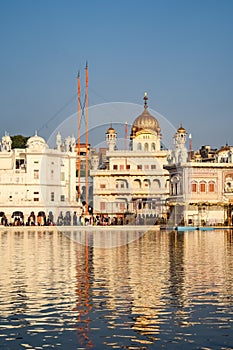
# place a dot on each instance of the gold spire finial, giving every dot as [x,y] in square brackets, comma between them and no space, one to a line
[145,98]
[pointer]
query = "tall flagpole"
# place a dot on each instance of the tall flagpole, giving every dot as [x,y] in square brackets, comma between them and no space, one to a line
[87,155]
[79,127]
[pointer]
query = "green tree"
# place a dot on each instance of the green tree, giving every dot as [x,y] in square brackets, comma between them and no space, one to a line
[19,141]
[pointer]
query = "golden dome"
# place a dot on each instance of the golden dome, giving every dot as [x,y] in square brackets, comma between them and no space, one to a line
[181,130]
[145,121]
[111,130]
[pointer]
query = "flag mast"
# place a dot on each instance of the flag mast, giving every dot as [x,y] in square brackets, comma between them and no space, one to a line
[79,127]
[87,145]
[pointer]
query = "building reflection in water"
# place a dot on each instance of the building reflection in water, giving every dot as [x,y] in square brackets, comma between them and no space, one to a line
[80,286]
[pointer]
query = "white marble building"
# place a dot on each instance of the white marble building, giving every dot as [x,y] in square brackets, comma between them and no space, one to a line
[133,181]
[38,178]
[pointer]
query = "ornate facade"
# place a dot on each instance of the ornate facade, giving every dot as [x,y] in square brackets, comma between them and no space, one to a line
[201,192]
[133,181]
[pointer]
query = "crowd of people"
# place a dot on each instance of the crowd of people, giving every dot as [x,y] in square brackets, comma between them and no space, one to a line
[62,220]
[72,219]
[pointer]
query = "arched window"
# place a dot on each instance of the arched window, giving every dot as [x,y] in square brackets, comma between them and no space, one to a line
[202,186]
[211,186]
[137,184]
[194,186]
[146,183]
[121,183]
[156,184]
[153,146]
[139,146]
[175,182]
[146,147]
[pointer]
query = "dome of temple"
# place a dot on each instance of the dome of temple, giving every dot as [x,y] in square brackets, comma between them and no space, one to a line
[145,121]
[111,130]
[181,130]
[36,142]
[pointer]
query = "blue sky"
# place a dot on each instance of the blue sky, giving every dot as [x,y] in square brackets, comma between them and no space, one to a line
[179,51]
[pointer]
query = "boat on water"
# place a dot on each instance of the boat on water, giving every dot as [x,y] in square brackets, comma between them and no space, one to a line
[202,228]
[186,228]
[179,228]
[195,228]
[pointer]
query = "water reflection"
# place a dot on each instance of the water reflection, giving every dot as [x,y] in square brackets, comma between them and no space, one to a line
[164,289]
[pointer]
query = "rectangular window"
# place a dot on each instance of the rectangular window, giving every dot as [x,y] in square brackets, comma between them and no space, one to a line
[36,174]
[62,176]
[52,196]
[102,206]
[153,166]
[146,167]
[36,198]
[127,166]
[121,167]
[19,164]
[102,186]
[62,198]
[139,167]
[115,167]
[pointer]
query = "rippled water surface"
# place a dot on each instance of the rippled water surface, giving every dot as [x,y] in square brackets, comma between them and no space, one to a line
[160,290]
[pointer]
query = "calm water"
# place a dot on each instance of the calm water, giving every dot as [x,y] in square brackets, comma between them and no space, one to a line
[162,290]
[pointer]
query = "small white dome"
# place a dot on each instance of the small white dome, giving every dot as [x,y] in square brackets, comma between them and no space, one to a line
[36,143]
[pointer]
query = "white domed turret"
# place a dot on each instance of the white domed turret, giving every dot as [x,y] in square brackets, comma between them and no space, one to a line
[36,143]
[73,143]
[58,141]
[180,136]
[68,144]
[6,143]
[95,162]
[180,153]
[111,137]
